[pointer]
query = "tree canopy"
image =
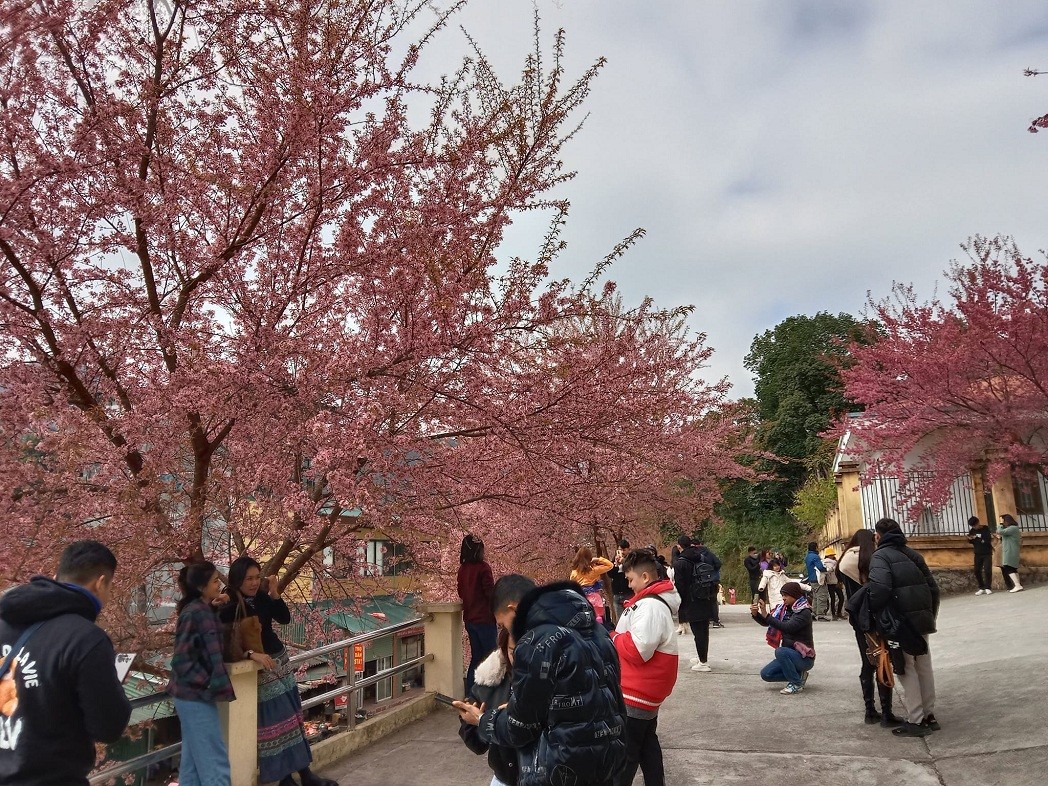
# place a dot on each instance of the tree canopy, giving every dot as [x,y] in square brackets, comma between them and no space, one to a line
[245,291]
[799,393]
[956,382]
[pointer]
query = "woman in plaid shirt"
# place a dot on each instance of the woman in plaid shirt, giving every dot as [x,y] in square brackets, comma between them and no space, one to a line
[199,679]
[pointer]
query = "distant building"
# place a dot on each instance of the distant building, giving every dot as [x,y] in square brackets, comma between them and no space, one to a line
[867,492]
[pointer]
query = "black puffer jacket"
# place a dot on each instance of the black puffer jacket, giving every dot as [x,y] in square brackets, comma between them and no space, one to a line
[695,610]
[796,625]
[566,716]
[899,578]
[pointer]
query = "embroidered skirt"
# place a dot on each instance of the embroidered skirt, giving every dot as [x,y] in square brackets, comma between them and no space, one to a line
[282,746]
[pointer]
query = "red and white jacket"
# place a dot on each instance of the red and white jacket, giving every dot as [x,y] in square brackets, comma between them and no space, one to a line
[646,640]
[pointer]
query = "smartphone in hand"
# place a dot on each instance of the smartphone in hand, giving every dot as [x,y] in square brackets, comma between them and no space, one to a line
[443,699]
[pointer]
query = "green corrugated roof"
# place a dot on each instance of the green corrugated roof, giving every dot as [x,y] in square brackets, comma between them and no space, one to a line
[364,621]
[138,685]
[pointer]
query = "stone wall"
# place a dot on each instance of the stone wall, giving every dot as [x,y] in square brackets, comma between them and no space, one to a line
[951,560]
[953,581]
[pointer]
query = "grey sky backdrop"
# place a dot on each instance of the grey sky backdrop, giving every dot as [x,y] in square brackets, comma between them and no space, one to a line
[789,156]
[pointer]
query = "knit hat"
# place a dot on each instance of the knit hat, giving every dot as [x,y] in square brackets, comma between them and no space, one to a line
[793,589]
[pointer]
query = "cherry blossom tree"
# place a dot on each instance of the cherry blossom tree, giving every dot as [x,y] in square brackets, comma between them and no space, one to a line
[955,382]
[249,283]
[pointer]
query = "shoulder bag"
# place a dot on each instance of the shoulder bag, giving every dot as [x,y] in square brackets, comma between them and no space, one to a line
[242,634]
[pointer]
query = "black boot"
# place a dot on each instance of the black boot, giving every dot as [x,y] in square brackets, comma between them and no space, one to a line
[888,719]
[310,778]
[872,716]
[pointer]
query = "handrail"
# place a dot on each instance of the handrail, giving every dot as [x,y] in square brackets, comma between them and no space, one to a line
[367,681]
[138,762]
[362,638]
[135,764]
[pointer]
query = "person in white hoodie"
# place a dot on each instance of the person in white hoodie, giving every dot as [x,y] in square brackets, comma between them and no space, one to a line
[773,580]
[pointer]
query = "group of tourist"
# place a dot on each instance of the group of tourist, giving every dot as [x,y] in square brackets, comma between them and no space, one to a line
[59,674]
[552,695]
[560,699]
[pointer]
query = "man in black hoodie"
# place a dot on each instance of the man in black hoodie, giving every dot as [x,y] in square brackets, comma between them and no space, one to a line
[696,573]
[69,696]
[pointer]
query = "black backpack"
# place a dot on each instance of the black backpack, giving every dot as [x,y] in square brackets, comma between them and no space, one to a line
[703,581]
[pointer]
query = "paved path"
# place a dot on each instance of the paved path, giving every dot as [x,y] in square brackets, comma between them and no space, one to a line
[727,727]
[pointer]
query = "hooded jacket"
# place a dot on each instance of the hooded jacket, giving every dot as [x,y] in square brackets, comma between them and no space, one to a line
[692,610]
[68,694]
[565,716]
[491,687]
[753,567]
[646,640]
[899,578]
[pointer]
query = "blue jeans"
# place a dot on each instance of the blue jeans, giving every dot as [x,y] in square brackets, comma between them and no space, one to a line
[787,666]
[205,760]
[483,638]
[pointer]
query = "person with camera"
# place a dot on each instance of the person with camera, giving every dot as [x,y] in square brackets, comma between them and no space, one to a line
[789,627]
[282,745]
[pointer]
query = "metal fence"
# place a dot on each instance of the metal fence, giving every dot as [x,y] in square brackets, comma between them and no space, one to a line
[881,499]
[351,687]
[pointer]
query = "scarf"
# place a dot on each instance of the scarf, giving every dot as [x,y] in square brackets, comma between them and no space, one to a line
[780,612]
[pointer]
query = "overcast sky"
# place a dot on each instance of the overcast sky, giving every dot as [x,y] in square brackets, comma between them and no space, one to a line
[788,157]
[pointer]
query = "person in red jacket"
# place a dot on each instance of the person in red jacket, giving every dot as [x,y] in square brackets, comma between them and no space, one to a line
[646,641]
[476,586]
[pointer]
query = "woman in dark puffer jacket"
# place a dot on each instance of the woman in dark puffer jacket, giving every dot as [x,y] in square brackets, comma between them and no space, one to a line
[904,600]
[566,716]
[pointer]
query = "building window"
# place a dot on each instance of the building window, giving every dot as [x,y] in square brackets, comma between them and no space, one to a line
[1027,488]
[384,688]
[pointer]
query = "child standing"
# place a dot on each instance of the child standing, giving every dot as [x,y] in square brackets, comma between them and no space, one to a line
[646,642]
[199,679]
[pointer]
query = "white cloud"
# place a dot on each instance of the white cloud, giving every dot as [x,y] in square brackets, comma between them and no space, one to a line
[786,158]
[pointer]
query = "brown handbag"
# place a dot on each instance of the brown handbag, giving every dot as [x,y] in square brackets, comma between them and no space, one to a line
[242,634]
[879,657]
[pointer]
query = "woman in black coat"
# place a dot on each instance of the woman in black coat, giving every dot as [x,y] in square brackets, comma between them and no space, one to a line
[854,570]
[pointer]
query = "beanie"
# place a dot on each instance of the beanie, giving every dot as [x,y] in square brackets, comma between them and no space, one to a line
[793,589]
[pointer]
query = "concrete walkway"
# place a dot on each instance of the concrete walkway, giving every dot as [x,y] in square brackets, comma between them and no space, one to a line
[727,727]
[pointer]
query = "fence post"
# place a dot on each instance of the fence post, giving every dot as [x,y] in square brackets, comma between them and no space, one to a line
[444,674]
[240,724]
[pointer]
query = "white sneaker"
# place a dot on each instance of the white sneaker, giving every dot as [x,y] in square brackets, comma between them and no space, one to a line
[700,666]
[987,592]
[693,661]
[1016,588]
[978,592]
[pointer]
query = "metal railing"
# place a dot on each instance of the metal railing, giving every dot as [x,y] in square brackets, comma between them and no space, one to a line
[351,687]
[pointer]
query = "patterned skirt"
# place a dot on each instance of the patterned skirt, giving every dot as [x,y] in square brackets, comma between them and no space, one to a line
[282,746]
